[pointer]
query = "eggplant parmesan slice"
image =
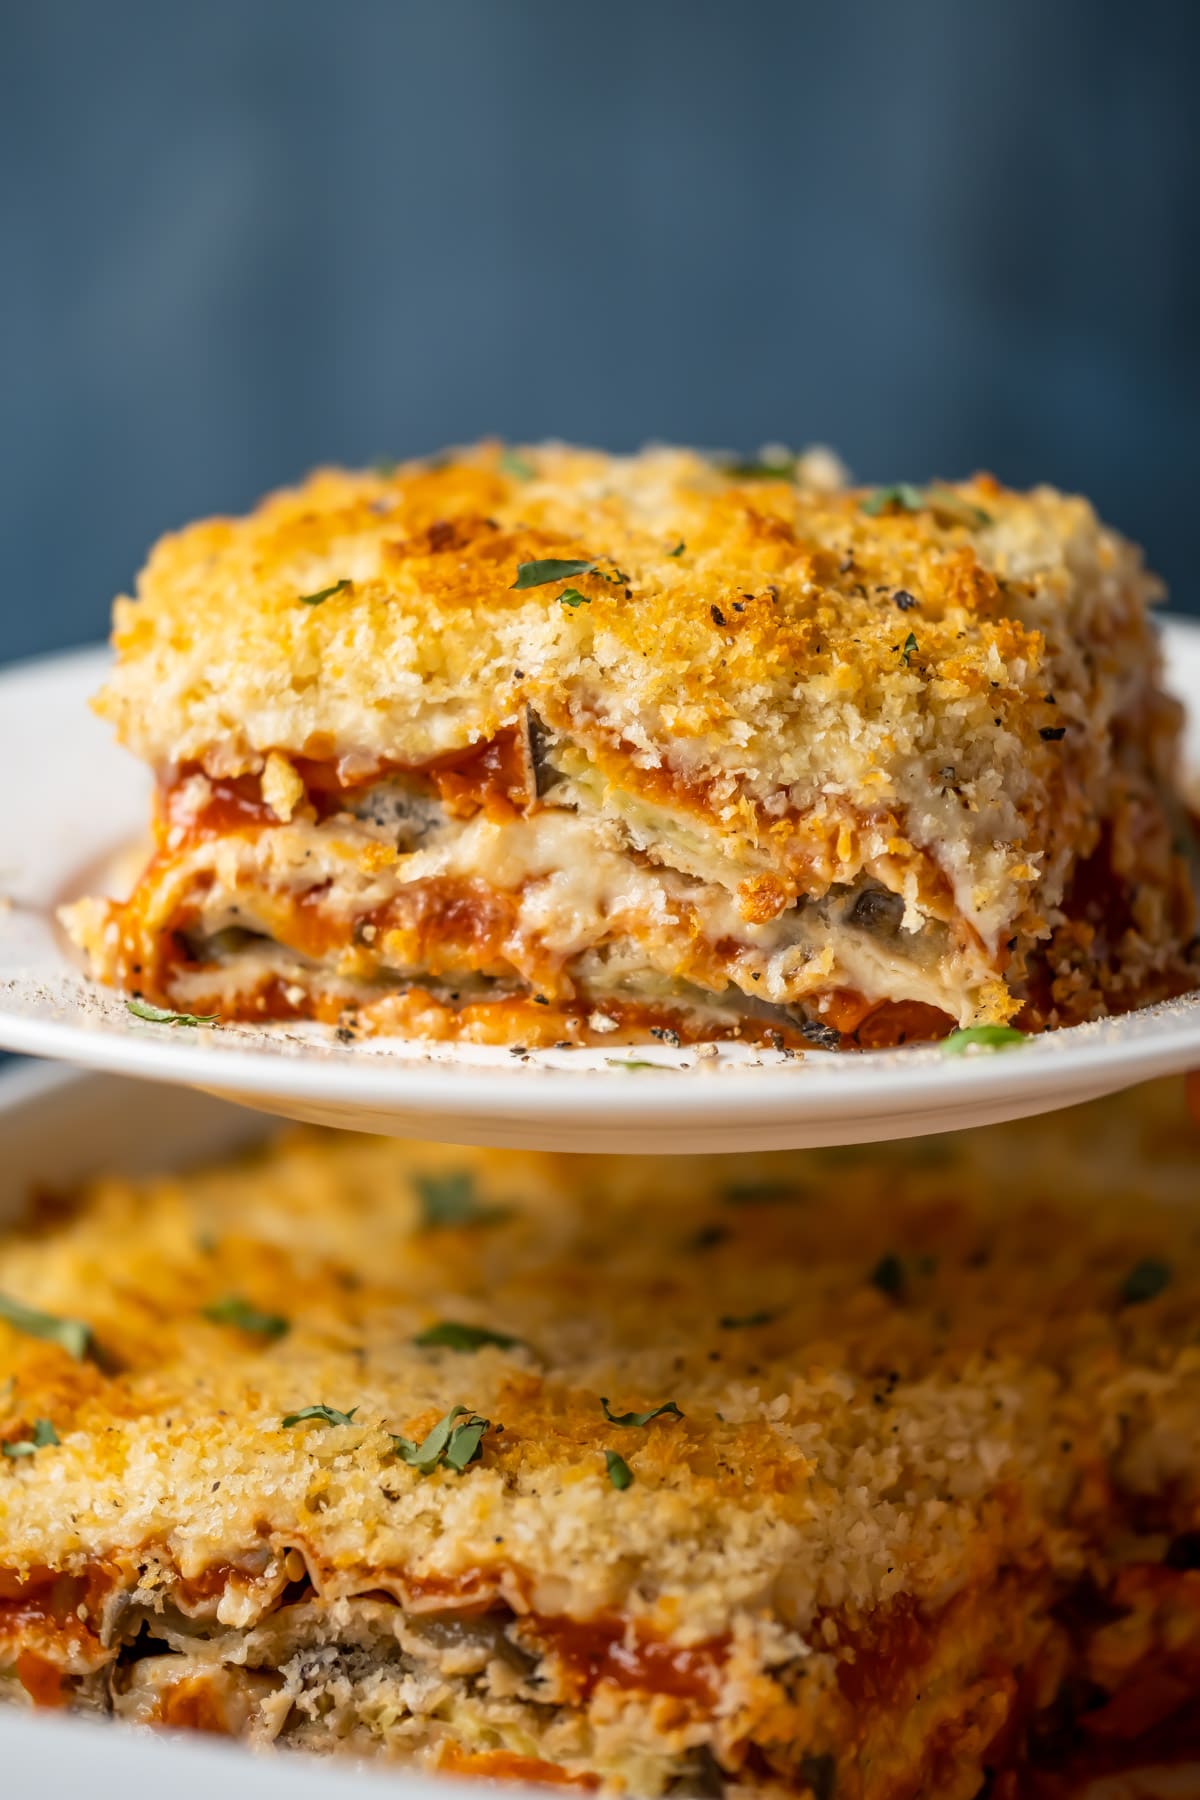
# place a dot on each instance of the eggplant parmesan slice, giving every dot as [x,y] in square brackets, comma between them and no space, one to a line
[653,1477]
[631,744]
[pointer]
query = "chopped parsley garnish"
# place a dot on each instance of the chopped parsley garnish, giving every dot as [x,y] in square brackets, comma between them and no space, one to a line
[903,496]
[1145,1281]
[910,644]
[952,506]
[233,1310]
[454,1441]
[43,1434]
[820,1772]
[572,597]
[451,1199]
[985,1037]
[739,1322]
[762,471]
[451,1334]
[679,549]
[619,1471]
[888,1274]
[667,1410]
[324,1415]
[639,1062]
[323,594]
[516,465]
[71,1335]
[160,1015]
[549,568]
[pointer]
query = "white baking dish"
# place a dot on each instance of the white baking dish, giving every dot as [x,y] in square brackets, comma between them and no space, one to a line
[56,1127]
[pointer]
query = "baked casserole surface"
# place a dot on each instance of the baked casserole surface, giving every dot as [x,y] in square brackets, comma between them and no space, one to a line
[865,1474]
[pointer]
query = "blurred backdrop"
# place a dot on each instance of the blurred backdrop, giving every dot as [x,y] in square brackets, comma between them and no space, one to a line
[242,236]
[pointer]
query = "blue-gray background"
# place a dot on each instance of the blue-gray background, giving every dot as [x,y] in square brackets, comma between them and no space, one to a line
[241,236]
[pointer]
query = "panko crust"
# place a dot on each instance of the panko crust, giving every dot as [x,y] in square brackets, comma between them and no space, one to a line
[924,1394]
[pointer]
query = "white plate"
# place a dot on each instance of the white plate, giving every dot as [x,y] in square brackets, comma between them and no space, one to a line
[72,798]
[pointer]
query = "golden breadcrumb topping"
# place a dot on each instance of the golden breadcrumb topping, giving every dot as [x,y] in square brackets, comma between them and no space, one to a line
[869,1350]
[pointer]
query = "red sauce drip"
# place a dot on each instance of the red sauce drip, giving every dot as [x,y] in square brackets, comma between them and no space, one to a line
[191,1705]
[41,1679]
[893,1641]
[233,805]
[505,1765]
[51,1595]
[595,1650]
[895,1022]
[46,1604]
[493,776]
[879,1024]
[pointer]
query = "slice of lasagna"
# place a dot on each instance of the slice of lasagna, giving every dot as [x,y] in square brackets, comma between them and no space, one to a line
[852,1476]
[534,748]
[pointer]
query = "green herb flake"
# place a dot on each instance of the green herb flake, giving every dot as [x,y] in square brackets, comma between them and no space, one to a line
[741,1321]
[323,594]
[232,1309]
[43,1435]
[71,1335]
[549,568]
[983,1037]
[901,495]
[947,504]
[888,1275]
[451,1199]
[668,1410]
[761,471]
[572,597]
[513,464]
[1145,1281]
[385,468]
[450,1334]
[820,1772]
[679,549]
[943,502]
[639,1062]
[159,1015]
[910,644]
[323,1415]
[455,1441]
[619,1471]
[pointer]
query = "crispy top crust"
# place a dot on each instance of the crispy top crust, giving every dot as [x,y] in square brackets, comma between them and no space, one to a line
[899,1369]
[749,651]
[422,651]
